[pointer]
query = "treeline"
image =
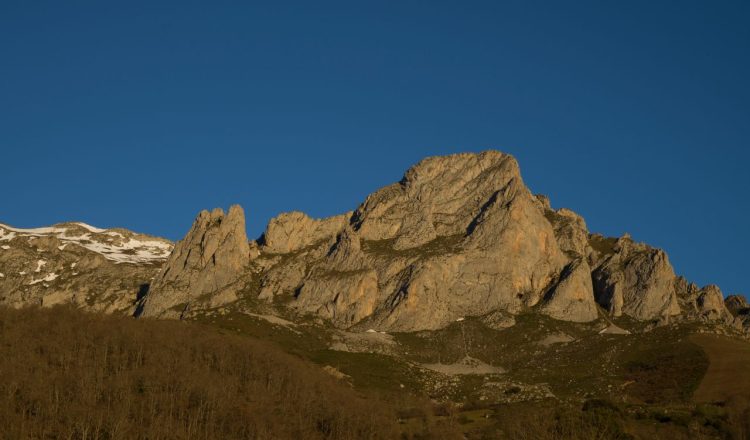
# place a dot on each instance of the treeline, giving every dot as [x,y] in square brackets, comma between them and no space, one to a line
[71,375]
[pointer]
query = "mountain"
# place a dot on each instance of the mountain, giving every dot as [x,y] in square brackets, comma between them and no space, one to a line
[462,300]
[458,236]
[95,269]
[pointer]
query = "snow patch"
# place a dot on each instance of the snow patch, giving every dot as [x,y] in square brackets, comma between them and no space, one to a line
[6,236]
[39,265]
[5,246]
[49,277]
[33,231]
[90,228]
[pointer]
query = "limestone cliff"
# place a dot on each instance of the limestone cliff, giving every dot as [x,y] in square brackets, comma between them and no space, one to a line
[457,236]
[204,266]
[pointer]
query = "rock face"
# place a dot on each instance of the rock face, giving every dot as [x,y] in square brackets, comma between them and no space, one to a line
[704,304]
[633,279]
[572,298]
[293,231]
[205,266]
[457,236]
[103,270]
[711,306]
[737,305]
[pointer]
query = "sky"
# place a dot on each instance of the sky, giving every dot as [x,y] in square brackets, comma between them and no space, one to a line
[137,114]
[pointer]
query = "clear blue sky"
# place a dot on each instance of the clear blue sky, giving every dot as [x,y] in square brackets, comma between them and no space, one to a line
[139,114]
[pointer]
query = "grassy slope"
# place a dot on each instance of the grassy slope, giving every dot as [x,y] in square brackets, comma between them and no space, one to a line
[644,382]
[728,374]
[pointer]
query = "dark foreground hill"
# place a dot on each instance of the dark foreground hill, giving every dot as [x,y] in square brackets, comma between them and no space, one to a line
[69,374]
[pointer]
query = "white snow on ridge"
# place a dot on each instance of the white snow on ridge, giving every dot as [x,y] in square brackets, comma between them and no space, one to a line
[130,250]
[91,228]
[33,231]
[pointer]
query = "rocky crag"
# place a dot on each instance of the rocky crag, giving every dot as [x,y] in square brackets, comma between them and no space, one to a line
[206,264]
[458,236]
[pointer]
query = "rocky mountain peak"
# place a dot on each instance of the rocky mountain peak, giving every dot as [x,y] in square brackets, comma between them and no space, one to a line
[458,235]
[438,197]
[204,266]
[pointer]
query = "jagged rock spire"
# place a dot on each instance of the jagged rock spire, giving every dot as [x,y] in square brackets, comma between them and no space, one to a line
[212,256]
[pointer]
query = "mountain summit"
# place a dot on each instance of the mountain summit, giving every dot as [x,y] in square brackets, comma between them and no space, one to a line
[457,236]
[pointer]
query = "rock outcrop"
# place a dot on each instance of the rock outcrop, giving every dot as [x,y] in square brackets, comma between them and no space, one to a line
[572,298]
[457,236]
[204,267]
[711,306]
[704,304]
[737,305]
[461,235]
[570,229]
[292,231]
[633,279]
